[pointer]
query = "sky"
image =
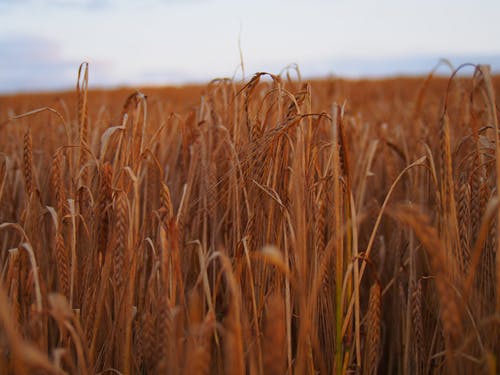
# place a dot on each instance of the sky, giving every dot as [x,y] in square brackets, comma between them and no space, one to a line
[42,42]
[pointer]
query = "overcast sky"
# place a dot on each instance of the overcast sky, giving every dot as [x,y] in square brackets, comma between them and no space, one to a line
[173,41]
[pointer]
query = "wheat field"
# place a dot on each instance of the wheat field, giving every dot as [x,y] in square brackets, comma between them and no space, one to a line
[273,226]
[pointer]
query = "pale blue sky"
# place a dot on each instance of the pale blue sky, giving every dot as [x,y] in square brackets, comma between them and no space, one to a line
[174,41]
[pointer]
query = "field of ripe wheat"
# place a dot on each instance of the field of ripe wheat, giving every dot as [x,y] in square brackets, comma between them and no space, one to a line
[273,226]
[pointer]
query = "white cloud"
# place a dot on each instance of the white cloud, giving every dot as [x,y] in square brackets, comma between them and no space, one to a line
[176,41]
[34,63]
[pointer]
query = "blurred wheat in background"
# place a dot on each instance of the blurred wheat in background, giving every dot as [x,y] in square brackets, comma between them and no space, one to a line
[264,227]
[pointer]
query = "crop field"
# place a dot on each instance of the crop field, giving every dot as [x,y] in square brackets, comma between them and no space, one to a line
[272,226]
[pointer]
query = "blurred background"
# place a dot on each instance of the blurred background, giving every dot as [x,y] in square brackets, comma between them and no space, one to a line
[160,42]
